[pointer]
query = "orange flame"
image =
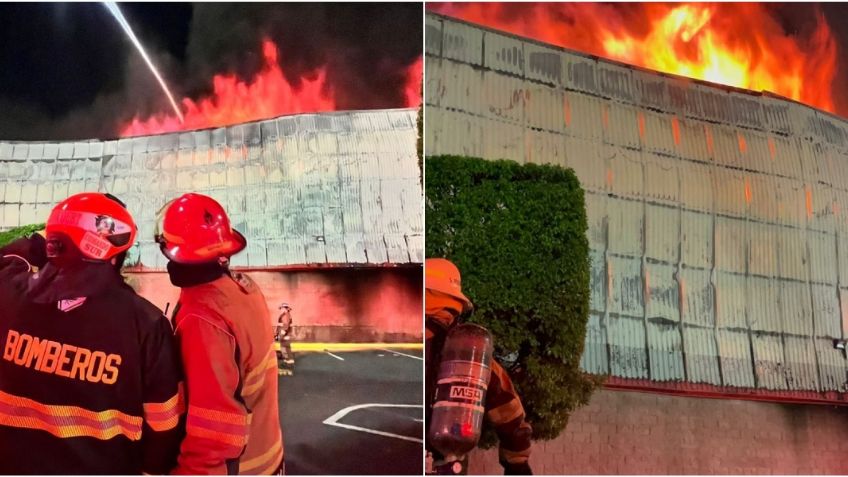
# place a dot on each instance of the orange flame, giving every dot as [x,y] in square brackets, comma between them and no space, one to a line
[739,45]
[268,95]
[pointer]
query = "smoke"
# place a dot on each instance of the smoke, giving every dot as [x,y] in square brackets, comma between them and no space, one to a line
[365,49]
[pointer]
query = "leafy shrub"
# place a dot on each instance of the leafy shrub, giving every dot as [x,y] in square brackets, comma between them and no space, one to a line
[10,236]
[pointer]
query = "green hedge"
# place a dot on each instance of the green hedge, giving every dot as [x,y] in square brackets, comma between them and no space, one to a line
[518,234]
[10,236]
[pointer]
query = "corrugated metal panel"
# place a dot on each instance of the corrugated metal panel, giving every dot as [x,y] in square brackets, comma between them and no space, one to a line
[823,261]
[665,352]
[627,347]
[583,116]
[734,349]
[596,216]
[730,195]
[659,134]
[784,154]
[544,65]
[625,172]
[768,360]
[698,306]
[621,126]
[701,354]
[503,140]
[696,246]
[503,53]
[594,359]
[826,313]
[544,107]
[746,110]
[662,182]
[776,115]
[625,225]
[800,365]
[663,296]
[462,43]
[545,148]
[731,238]
[833,374]
[662,233]
[791,202]
[433,35]
[584,156]
[726,144]
[693,140]
[763,307]
[580,73]
[796,307]
[731,300]
[763,257]
[792,250]
[597,281]
[615,82]
[822,209]
[461,88]
[696,186]
[651,90]
[756,153]
[626,292]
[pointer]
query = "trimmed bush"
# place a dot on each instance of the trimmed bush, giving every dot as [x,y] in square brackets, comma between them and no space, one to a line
[10,236]
[518,234]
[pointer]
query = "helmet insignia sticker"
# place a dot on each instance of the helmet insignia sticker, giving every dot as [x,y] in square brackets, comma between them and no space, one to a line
[105,225]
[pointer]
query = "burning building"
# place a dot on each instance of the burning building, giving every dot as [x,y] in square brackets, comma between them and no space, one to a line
[330,204]
[718,234]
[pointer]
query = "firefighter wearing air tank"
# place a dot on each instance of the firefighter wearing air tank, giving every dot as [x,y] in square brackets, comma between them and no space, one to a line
[90,378]
[464,384]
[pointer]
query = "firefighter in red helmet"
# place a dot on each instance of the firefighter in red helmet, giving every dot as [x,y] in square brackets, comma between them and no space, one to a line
[89,375]
[221,324]
[444,303]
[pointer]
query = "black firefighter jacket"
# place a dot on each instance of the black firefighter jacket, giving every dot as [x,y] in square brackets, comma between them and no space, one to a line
[90,381]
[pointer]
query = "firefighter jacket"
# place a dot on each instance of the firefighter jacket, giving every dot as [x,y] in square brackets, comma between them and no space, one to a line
[89,373]
[504,411]
[233,424]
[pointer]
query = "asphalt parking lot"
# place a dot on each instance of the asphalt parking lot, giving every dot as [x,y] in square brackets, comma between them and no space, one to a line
[353,412]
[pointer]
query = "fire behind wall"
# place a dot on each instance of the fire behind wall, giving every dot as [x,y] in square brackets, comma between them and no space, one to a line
[717,217]
[330,204]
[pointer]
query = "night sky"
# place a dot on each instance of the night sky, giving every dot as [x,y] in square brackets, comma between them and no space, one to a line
[68,71]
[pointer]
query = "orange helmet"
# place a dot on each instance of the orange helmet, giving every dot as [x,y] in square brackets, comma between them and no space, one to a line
[441,275]
[194,228]
[98,224]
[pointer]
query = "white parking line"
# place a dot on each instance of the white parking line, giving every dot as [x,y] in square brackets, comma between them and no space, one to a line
[419,358]
[335,418]
[337,357]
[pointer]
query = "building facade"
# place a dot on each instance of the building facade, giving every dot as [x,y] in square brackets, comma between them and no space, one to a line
[718,220]
[330,204]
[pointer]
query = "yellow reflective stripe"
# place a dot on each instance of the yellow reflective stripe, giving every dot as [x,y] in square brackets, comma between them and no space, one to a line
[234,440]
[257,378]
[271,456]
[175,401]
[220,416]
[165,416]
[67,421]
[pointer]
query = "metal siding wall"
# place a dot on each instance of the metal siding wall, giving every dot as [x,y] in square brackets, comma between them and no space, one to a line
[340,188]
[718,220]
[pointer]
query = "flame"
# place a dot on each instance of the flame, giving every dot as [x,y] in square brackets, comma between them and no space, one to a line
[267,95]
[739,45]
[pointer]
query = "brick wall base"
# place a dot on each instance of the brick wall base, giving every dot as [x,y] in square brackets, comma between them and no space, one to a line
[622,432]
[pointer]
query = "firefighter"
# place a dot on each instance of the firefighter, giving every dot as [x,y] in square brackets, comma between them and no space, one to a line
[444,304]
[221,323]
[282,337]
[89,375]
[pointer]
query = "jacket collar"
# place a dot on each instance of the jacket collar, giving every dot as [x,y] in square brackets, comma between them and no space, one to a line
[84,279]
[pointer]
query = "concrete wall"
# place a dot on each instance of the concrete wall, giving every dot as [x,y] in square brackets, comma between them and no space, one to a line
[335,305]
[638,433]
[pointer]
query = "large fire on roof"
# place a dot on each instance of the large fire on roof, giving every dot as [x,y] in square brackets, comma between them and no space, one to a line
[736,44]
[267,95]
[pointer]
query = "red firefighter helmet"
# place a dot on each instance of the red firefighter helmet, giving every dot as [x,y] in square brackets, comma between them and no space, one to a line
[98,224]
[443,276]
[194,228]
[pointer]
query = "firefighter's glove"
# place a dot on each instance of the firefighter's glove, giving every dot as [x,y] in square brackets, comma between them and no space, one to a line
[517,469]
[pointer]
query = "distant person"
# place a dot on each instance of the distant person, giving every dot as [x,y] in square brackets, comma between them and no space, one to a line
[90,375]
[444,304]
[282,335]
[221,323]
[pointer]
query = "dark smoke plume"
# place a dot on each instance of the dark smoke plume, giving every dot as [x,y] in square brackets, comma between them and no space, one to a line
[365,48]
